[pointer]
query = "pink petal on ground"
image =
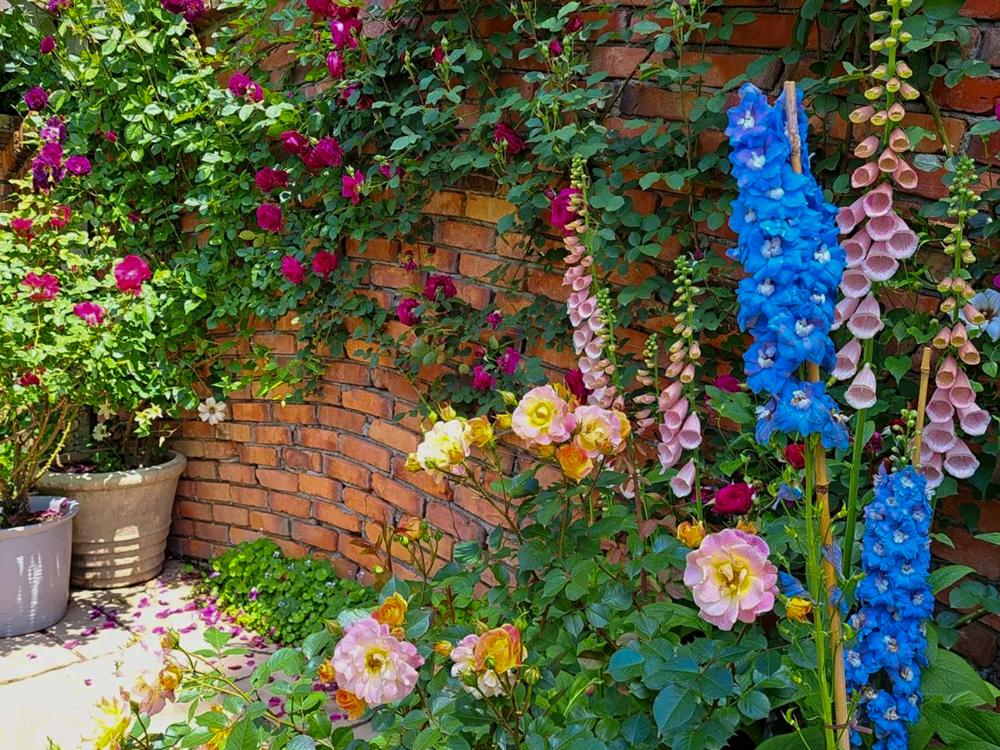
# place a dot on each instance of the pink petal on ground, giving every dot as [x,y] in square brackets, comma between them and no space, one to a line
[71,644]
[88,631]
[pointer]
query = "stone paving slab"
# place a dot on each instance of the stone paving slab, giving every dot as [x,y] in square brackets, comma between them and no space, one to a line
[31,655]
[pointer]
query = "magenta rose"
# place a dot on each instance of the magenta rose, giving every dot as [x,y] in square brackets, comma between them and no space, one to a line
[727,384]
[48,45]
[324,263]
[45,287]
[37,99]
[29,379]
[575,24]
[506,135]
[335,64]
[563,211]
[89,312]
[110,136]
[342,33]
[574,382]
[269,217]
[482,380]
[351,186]
[438,54]
[268,179]
[22,228]
[323,8]
[405,311]
[555,48]
[293,270]
[436,283]
[328,152]
[78,165]
[390,170]
[238,84]
[734,499]
[494,319]
[60,216]
[294,143]
[795,454]
[508,361]
[254,92]
[130,273]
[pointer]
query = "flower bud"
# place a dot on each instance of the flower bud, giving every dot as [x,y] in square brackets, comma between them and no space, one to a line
[170,640]
[798,608]
[503,421]
[508,398]
[334,628]
[968,257]
[443,648]
[949,305]
[903,70]
[532,675]
[691,535]
[448,413]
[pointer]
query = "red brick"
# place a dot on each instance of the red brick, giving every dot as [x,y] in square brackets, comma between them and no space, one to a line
[479,507]
[298,413]
[348,373]
[290,504]
[232,431]
[979,555]
[331,416]
[210,491]
[292,549]
[452,521]
[319,487]
[396,384]
[387,433]
[366,504]
[230,515]
[239,536]
[302,460]
[192,548]
[465,236]
[275,479]
[311,437]
[367,402]
[445,203]
[332,515]
[365,452]
[271,435]
[252,496]
[211,532]
[393,277]
[251,412]
[375,249]
[487,208]
[217,449]
[197,511]
[983,9]
[478,266]
[976,95]
[978,644]
[200,469]
[347,472]
[255,454]
[345,569]
[407,500]
[268,522]
[548,285]
[314,536]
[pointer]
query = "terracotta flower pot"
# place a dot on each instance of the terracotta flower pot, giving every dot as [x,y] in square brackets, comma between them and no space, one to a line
[34,571]
[120,534]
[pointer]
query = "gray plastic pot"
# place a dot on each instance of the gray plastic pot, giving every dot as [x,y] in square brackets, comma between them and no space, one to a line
[120,534]
[34,571]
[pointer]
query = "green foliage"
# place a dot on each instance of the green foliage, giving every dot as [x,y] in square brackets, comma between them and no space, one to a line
[286,598]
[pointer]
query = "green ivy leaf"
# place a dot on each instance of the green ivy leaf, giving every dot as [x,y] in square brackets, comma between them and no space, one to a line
[898,366]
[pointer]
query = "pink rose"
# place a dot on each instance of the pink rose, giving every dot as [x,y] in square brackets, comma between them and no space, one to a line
[130,273]
[438,54]
[563,210]
[45,287]
[795,454]
[727,384]
[60,216]
[405,311]
[335,64]
[508,361]
[482,380]
[269,217]
[437,282]
[292,269]
[351,186]
[324,263]
[78,165]
[328,152]
[555,48]
[268,179]
[22,228]
[506,135]
[734,499]
[494,320]
[89,312]
[574,383]
[294,143]
[47,45]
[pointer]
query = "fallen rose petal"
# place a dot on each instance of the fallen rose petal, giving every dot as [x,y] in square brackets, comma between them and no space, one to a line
[89,631]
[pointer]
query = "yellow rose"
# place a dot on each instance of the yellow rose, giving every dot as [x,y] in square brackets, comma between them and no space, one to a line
[798,608]
[413,463]
[479,431]
[626,426]
[113,716]
[503,421]
[326,672]
[351,704]
[447,412]
[444,648]
[574,462]
[747,527]
[169,679]
[499,649]
[444,448]
[411,527]
[691,535]
[392,612]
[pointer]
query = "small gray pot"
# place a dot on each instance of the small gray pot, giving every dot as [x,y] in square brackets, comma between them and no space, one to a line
[34,571]
[120,536]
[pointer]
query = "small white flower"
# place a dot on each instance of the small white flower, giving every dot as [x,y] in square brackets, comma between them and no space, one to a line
[212,411]
[100,432]
[105,411]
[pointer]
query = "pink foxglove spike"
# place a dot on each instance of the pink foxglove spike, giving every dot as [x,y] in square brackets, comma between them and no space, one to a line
[878,202]
[854,253]
[931,469]
[690,435]
[865,175]
[674,417]
[909,93]
[880,118]
[854,283]
[879,266]
[939,408]
[903,244]
[926,454]
[899,141]
[867,319]
[896,112]
[847,360]
[861,393]
[670,395]
[961,394]
[862,114]
[905,177]
[973,316]
[594,348]
[682,483]
[974,421]
[867,148]
[943,339]
[850,216]
[674,369]
[687,376]
[844,310]
[888,162]
[596,324]
[669,454]
[582,337]
[881,228]
[959,336]
[667,435]
[582,283]
[945,377]
[940,436]
[959,461]
[969,354]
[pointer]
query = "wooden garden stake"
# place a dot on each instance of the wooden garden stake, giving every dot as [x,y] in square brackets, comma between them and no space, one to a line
[823,488]
[925,376]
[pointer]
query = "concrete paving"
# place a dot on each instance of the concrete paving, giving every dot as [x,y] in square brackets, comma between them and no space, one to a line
[50,681]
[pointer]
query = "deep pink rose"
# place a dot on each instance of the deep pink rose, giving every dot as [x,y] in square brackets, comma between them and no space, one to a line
[45,287]
[437,282]
[78,165]
[294,143]
[996,109]
[29,379]
[574,382]
[48,45]
[555,48]
[342,33]
[328,152]
[130,272]
[438,54]
[22,228]
[405,311]
[238,84]
[110,136]
[323,8]
[37,99]
[390,170]
[505,134]
[563,212]
[575,24]
[727,384]
[268,179]
[364,101]
[89,312]
[293,270]
[60,216]
[795,454]
[324,263]
[482,380]
[351,186]
[254,92]
[269,217]
[494,320]
[509,360]
[335,64]
[734,499]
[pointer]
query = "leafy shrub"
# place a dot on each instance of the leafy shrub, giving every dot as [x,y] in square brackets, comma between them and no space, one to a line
[285,597]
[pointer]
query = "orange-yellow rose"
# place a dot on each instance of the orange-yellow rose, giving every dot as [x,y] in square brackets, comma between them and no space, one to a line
[411,528]
[574,462]
[326,672]
[351,704]
[747,527]
[499,649]
[691,534]
[798,608]
[392,612]
[503,421]
[169,678]
[444,648]
[479,431]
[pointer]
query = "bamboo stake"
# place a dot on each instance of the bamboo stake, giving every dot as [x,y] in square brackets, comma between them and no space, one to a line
[925,376]
[823,488]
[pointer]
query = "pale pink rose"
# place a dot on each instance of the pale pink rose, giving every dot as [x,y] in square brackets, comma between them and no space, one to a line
[542,418]
[464,658]
[731,578]
[374,665]
[598,431]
